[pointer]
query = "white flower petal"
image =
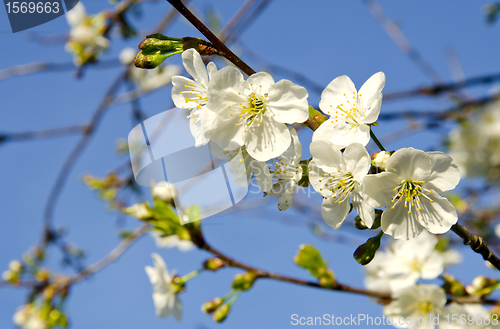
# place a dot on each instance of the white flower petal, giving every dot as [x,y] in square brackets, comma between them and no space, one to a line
[211,69]
[327,156]
[262,175]
[179,95]
[445,174]
[334,213]
[399,224]
[260,82]
[364,210]
[317,181]
[439,215]
[342,133]
[286,197]
[266,140]
[409,164]
[371,90]
[194,65]
[433,266]
[334,93]
[377,190]
[357,161]
[297,147]
[372,114]
[288,102]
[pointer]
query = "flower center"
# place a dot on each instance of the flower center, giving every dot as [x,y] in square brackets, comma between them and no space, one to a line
[425,306]
[284,169]
[410,193]
[341,185]
[348,111]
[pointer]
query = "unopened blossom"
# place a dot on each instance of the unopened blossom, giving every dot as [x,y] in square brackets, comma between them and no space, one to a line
[420,303]
[405,262]
[28,317]
[253,112]
[192,94]
[381,159]
[164,297]
[474,143]
[287,172]
[139,211]
[350,111]
[86,38]
[164,191]
[410,189]
[337,177]
[172,241]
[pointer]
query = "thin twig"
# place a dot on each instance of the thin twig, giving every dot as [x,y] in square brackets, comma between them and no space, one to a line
[223,49]
[42,134]
[111,257]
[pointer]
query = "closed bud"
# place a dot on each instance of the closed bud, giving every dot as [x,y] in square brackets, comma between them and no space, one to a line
[177,285]
[379,159]
[452,286]
[220,313]
[149,61]
[213,264]
[15,266]
[211,305]
[309,258]
[164,191]
[482,286]
[244,281]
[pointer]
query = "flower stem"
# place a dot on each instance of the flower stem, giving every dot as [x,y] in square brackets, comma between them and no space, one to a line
[375,139]
[191,275]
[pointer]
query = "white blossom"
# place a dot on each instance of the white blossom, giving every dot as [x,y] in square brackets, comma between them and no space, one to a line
[350,112]
[192,94]
[253,113]
[28,317]
[337,177]
[172,241]
[166,301]
[420,303]
[138,210]
[287,172]
[410,188]
[405,262]
[381,159]
[85,37]
[164,191]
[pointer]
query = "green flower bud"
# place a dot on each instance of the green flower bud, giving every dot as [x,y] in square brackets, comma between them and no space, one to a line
[452,286]
[213,264]
[482,286]
[310,259]
[244,281]
[177,285]
[220,313]
[211,305]
[365,253]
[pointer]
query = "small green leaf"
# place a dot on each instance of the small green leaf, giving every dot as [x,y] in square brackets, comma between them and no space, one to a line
[364,254]
[304,181]
[193,213]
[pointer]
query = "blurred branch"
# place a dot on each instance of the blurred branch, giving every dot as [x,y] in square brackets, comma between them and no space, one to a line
[42,134]
[443,87]
[111,257]
[394,32]
[36,67]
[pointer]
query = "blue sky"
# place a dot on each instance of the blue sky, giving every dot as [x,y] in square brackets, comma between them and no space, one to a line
[319,39]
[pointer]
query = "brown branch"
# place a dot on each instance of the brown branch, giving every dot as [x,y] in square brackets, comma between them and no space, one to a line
[477,244]
[223,49]
[394,32]
[42,134]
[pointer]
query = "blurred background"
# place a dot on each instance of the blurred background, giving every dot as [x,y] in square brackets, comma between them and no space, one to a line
[416,44]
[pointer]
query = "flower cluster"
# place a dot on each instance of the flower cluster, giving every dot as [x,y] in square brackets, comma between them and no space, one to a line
[86,39]
[246,120]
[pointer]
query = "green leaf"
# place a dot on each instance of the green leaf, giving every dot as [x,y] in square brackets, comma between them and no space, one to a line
[193,213]
[304,181]
[364,254]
